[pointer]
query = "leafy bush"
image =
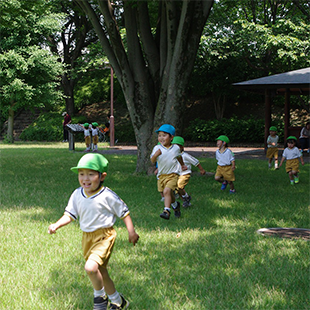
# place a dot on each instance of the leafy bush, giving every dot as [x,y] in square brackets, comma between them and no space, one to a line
[247,129]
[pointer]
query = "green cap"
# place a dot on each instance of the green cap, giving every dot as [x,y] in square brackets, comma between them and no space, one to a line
[223,138]
[273,128]
[178,140]
[95,124]
[291,138]
[95,162]
[86,125]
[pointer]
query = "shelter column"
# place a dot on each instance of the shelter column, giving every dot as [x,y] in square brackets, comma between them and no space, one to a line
[286,113]
[267,115]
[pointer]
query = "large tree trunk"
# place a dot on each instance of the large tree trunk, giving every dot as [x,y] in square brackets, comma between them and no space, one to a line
[153,70]
[10,136]
[68,88]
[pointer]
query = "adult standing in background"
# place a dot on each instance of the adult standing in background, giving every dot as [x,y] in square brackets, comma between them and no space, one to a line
[67,120]
[304,138]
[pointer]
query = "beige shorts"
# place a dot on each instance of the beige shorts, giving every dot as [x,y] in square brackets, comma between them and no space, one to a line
[98,245]
[292,165]
[167,180]
[87,140]
[225,172]
[272,152]
[183,180]
[95,139]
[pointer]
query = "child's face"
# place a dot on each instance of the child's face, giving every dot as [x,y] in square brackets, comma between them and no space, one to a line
[220,143]
[290,144]
[272,133]
[90,180]
[164,138]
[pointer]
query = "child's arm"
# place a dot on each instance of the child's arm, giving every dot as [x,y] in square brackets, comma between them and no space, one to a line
[64,220]
[180,160]
[282,160]
[233,165]
[302,160]
[154,157]
[202,171]
[133,236]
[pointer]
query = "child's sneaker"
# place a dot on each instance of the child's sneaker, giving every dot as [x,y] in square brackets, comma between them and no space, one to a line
[124,305]
[177,211]
[101,303]
[232,191]
[296,180]
[165,214]
[224,185]
[292,182]
[186,202]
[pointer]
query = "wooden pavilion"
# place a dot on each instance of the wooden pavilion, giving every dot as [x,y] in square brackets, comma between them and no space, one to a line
[286,84]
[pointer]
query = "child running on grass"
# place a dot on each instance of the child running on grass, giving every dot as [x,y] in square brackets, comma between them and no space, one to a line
[292,154]
[225,164]
[168,156]
[185,175]
[97,208]
[272,147]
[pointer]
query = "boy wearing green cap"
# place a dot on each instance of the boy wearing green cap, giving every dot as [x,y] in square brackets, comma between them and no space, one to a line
[185,175]
[86,136]
[225,164]
[292,155]
[168,156]
[272,147]
[97,208]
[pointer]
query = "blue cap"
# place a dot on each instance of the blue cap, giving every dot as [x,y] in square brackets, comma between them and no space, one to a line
[166,128]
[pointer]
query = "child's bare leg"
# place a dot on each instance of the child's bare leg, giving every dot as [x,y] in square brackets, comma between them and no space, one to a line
[169,197]
[95,276]
[219,179]
[231,184]
[291,175]
[181,191]
[107,281]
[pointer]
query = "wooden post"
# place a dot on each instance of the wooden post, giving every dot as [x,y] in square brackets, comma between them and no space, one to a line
[71,141]
[286,113]
[267,115]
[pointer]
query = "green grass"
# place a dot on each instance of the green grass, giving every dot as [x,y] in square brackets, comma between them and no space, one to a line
[210,258]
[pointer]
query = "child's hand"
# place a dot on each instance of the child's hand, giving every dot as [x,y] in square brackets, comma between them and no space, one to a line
[133,238]
[184,167]
[52,229]
[158,153]
[202,172]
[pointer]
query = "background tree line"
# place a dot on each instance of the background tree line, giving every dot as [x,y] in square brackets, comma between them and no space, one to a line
[54,54]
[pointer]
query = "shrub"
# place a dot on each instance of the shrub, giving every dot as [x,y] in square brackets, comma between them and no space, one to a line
[247,129]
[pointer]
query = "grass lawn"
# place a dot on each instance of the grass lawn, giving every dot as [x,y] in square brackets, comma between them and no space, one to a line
[210,258]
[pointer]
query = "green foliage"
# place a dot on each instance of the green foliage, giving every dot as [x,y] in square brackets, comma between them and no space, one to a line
[248,129]
[47,127]
[124,132]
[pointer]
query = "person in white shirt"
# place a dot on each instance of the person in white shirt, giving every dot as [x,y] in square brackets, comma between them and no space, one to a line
[86,136]
[272,147]
[95,135]
[168,156]
[97,207]
[225,164]
[292,155]
[185,175]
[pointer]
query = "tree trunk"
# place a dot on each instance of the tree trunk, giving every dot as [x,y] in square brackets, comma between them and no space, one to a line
[68,88]
[10,136]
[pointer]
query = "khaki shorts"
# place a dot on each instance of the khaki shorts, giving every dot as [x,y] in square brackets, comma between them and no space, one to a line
[87,140]
[183,180]
[292,165]
[272,152]
[95,139]
[225,172]
[98,245]
[167,180]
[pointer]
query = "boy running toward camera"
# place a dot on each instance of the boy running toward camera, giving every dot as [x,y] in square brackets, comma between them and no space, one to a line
[185,175]
[272,147]
[97,208]
[225,164]
[168,157]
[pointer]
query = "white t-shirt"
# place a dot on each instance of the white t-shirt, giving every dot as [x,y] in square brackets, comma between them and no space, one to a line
[167,162]
[189,160]
[97,211]
[94,131]
[86,132]
[225,158]
[271,139]
[291,153]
